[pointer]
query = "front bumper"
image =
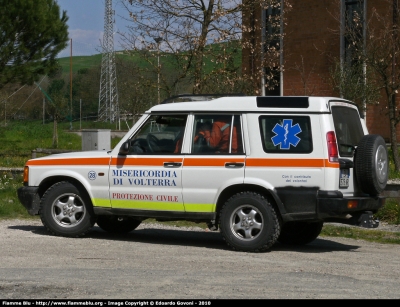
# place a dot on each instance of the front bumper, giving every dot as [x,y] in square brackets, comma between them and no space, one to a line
[29,198]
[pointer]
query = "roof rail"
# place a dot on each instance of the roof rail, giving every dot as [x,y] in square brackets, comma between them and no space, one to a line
[197,97]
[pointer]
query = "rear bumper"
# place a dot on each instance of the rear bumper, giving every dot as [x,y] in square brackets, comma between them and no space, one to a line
[30,199]
[336,207]
[357,211]
[312,204]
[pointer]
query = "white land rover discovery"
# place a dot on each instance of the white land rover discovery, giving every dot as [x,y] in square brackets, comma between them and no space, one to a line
[258,169]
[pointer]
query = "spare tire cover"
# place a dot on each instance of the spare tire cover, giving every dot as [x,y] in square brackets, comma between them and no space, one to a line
[371,164]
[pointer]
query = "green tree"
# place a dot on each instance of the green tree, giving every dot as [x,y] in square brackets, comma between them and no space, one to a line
[355,82]
[135,91]
[85,93]
[32,33]
[58,107]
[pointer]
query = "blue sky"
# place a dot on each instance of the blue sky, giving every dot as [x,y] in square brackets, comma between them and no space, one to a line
[86,25]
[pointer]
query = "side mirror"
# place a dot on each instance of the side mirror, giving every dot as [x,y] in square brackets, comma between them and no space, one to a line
[124,149]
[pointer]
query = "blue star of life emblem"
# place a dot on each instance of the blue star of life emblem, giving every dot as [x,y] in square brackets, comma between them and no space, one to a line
[286,134]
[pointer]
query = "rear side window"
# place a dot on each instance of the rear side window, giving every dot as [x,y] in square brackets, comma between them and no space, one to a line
[348,129]
[217,134]
[286,134]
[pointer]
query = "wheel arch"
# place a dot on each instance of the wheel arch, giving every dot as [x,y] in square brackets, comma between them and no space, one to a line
[48,182]
[237,188]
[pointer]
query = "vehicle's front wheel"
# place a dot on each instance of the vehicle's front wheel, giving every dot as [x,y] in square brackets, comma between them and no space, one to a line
[66,211]
[117,224]
[249,223]
[299,233]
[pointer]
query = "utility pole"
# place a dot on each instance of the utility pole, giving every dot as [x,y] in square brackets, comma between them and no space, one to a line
[158,40]
[395,38]
[108,96]
[70,88]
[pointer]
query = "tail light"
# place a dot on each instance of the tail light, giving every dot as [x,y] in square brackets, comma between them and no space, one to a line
[332,147]
[352,204]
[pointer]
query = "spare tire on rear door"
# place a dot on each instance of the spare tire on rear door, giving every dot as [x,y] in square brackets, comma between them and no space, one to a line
[371,164]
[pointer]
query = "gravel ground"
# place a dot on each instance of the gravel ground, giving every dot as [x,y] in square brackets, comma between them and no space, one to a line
[164,262]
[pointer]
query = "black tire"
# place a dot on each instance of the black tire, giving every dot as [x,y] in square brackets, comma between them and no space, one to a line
[66,211]
[372,164]
[117,224]
[299,233]
[249,223]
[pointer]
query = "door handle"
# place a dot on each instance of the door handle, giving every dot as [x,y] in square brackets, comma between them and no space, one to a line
[172,164]
[234,165]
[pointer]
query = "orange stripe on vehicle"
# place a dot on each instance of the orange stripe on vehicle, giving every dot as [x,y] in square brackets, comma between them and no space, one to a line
[251,162]
[143,161]
[70,161]
[210,161]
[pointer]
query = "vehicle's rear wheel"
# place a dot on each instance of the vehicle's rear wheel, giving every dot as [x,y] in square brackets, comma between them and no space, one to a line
[299,233]
[66,211]
[249,223]
[117,224]
[371,164]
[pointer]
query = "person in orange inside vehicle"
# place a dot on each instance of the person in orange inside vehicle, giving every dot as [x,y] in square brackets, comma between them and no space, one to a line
[219,135]
[178,145]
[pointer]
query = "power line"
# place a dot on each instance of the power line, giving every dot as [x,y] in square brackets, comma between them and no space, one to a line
[13,93]
[37,86]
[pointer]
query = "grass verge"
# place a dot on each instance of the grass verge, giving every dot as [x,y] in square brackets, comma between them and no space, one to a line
[19,138]
[390,212]
[358,233]
[10,207]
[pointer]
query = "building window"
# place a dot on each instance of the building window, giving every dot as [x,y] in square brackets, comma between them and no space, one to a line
[353,19]
[271,50]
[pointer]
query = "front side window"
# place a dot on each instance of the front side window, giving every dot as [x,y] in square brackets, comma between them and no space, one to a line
[217,134]
[286,134]
[348,129]
[160,135]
